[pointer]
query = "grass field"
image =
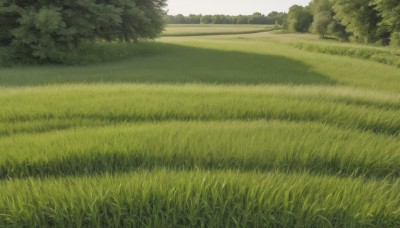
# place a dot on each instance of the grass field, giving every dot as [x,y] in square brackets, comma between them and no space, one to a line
[244,130]
[211,29]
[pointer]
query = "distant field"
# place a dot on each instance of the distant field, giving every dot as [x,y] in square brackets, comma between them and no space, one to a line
[245,130]
[197,30]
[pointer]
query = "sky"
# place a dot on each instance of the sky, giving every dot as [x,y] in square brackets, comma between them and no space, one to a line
[230,7]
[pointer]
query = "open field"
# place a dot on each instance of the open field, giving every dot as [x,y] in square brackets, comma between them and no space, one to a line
[237,130]
[211,29]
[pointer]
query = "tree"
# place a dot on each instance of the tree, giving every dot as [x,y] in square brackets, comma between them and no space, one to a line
[337,30]
[276,17]
[218,19]
[206,19]
[299,18]
[322,16]
[242,19]
[389,10]
[8,18]
[325,22]
[360,18]
[257,18]
[46,30]
[194,19]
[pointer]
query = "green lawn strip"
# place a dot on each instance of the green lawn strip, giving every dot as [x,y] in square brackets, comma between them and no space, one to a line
[241,145]
[137,103]
[244,60]
[200,198]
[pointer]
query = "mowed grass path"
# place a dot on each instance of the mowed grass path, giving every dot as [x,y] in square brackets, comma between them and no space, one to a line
[209,131]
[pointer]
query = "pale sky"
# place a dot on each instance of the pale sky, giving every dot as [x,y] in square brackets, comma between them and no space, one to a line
[230,7]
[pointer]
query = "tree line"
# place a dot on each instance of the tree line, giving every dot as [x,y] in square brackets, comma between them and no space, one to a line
[365,21]
[256,18]
[47,30]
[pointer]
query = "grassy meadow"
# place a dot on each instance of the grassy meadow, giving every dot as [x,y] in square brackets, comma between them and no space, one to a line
[251,129]
[213,29]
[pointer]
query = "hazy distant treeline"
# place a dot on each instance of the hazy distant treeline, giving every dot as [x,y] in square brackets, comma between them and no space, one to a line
[256,18]
[366,21]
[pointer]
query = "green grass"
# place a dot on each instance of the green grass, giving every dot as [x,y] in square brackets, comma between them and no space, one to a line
[87,54]
[245,59]
[211,29]
[246,146]
[174,63]
[200,199]
[77,105]
[242,130]
[386,56]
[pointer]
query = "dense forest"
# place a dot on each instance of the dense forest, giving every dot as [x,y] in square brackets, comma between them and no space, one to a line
[364,21]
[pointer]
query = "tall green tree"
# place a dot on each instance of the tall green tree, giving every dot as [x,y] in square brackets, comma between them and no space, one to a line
[360,18]
[325,22]
[46,30]
[389,10]
[299,19]
[322,16]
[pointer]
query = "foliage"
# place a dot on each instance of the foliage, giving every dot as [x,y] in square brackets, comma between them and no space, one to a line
[256,18]
[395,39]
[322,16]
[364,21]
[47,31]
[359,17]
[299,19]
[324,21]
[389,11]
[277,17]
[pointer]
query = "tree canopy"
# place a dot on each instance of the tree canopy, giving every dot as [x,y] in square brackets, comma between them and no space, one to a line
[46,30]
[389,11]
[359,17]
[299,18]
[361,20]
